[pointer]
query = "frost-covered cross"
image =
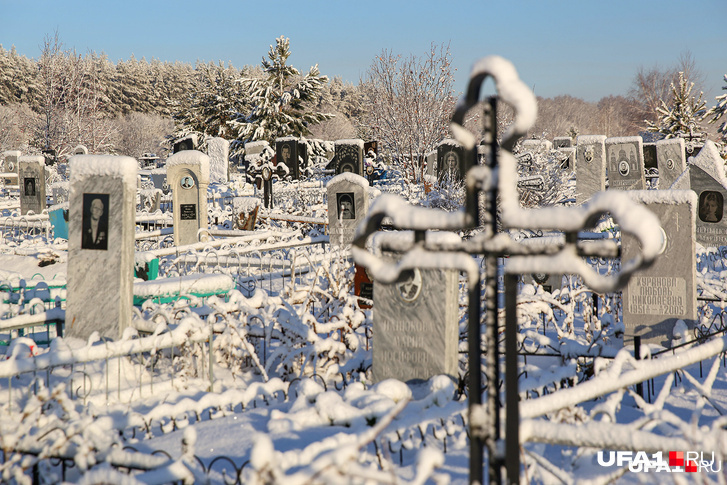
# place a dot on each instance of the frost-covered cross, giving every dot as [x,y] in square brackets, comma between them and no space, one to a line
[497,181]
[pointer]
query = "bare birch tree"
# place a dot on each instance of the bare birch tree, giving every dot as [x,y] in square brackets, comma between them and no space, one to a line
[408,104]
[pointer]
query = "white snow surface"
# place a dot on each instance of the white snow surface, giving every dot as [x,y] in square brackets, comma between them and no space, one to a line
[709,160]
[349,177]
[192,157]
[125,168]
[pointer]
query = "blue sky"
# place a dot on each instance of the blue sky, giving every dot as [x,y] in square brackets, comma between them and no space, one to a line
[583,48]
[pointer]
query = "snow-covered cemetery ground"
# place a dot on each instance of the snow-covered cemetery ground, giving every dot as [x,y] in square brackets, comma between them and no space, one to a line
[249,354]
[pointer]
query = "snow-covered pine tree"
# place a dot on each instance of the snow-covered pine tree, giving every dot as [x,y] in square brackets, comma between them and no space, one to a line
[717,111]
[215,96]
[281,102]
[684,113]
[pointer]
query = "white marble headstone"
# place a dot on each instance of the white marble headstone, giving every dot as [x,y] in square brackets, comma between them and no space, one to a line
[625,161]
[657,296]
[590,166]
[348,203]
[188,175]
[218,149]
[100,245]
[31,183]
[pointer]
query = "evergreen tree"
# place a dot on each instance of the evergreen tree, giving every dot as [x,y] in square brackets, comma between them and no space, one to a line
[281,101]
[682,116]
[718,111]
[216,94]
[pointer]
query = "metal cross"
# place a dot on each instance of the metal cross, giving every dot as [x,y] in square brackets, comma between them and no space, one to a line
[497,181]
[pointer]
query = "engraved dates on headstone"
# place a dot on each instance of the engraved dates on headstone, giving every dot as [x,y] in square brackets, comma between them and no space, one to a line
[188,174]
[657,296]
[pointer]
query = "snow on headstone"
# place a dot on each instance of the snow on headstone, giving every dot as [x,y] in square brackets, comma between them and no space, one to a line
[416,330]
[100,245]
[535,146]
[189,142]
[31,181]
[188,175]
[590,166]
[666,292]
[348,203]
[670,160]
[80,150]
[450,160]
[349,156]
[625,158]
[10,163]
[218,149]
[562,142]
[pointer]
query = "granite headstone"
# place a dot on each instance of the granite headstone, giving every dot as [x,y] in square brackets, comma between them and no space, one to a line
[657,296]
[590,166]
[416,326]
[100,245]
[348,203]
[670,160]
[349,156]
[31,182]
[625,159]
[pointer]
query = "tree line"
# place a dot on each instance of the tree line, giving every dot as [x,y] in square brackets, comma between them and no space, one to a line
[63,99]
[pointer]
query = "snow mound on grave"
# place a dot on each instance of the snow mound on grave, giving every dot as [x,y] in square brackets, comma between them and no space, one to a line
[114,166]
[349,177]
[709,160]
[32,158]
[192,157]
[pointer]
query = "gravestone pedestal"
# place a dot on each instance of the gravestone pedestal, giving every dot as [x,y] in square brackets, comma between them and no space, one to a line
[100,245]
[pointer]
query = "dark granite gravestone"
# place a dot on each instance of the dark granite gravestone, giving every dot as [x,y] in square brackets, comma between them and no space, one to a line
[650,159]
[349,156]
[287,153]
[187,143]
[450,161]
[31,182]
[625,161]
[416,334]
[670,160]
[562,142]
[590,166]
[657,296]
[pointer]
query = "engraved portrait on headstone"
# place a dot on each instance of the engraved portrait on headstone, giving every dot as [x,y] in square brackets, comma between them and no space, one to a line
[450,160]
[188,174]
[710,206]
[95,221]
[286,150]
[410,288]
[346,208]
[29,187]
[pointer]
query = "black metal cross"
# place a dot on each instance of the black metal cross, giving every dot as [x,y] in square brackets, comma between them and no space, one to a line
[494,181]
